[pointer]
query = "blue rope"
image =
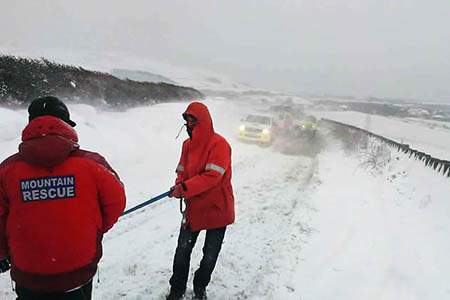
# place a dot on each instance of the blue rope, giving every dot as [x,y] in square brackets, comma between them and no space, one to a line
[146,203]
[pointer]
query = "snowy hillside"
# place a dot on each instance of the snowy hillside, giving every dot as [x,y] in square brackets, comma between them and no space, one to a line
[431,137]
[107,62]
[309,227]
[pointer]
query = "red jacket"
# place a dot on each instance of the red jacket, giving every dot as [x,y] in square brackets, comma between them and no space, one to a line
[56,201]
[205,169]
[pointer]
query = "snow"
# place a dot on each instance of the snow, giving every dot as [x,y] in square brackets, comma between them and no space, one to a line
[309,227]
[378,237]
[430,137]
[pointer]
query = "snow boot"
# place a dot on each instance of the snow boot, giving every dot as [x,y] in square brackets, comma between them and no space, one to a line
[199,294]
[175,295]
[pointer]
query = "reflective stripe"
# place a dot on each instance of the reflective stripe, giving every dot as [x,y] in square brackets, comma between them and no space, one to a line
[78,287]
[180,168]
[215,168]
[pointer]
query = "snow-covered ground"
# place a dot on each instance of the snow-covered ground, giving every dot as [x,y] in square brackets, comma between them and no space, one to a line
[431,137]
[310,227]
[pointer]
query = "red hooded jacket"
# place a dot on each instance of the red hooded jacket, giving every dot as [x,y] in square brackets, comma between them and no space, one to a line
[56,201]
[205,170]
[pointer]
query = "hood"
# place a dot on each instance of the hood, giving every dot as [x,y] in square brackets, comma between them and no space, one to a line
[47,141]
[204,128]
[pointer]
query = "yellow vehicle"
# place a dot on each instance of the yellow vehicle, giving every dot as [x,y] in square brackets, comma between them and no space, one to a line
[307,128]
[258,128]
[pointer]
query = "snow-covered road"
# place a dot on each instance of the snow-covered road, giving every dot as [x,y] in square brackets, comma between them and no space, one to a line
[307,227]
[261,249]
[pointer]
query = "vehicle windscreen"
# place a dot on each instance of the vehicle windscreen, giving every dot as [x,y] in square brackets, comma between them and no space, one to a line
[258,119]
[310,119]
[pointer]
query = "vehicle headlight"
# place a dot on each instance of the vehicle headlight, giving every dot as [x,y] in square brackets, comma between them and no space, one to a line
[303,126]
[266,131]
[242,127]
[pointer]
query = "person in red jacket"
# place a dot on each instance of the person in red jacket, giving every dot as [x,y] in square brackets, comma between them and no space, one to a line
[204,181]
[56,202]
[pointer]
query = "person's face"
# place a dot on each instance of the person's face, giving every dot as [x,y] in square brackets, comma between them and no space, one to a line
[191,122]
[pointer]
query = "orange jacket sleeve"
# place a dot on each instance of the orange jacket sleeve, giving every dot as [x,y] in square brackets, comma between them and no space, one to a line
[181,165]
[111,195]
[4,209]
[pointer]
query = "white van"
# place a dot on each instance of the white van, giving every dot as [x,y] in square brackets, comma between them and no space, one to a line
[257,127]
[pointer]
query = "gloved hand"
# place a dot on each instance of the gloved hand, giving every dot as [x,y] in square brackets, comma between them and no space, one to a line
[177,191]
[4,265]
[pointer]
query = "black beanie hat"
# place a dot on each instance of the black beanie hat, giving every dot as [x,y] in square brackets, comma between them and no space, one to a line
[49,106]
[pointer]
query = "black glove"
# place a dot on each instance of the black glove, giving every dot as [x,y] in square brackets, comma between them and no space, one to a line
[177,190]
[4,265]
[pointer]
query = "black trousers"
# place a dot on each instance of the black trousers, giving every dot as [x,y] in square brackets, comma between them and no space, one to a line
[83,293]
[181,261]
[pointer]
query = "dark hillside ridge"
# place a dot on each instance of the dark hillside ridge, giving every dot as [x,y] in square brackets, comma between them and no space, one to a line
[23,79]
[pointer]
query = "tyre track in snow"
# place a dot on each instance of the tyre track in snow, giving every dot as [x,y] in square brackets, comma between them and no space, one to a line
[138,254]
[264,246]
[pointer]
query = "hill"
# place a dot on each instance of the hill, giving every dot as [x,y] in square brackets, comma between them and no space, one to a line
[23,79]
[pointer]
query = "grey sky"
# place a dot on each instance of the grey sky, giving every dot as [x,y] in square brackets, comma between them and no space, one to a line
[357,47]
